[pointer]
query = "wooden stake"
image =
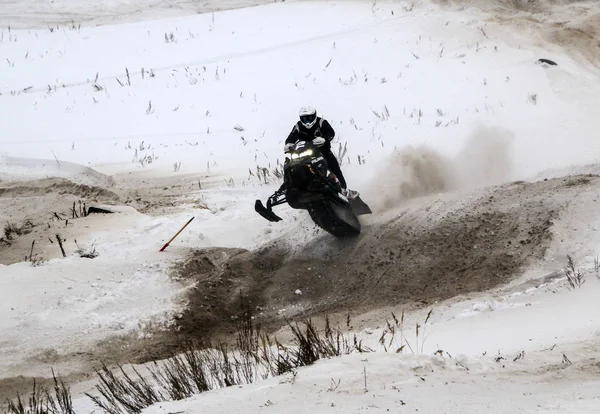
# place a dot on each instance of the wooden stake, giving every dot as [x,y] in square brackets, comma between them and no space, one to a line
[176,234]
[62,249]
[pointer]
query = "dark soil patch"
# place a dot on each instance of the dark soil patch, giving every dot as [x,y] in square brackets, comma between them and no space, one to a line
[9,387]
[580,180]
[23,386]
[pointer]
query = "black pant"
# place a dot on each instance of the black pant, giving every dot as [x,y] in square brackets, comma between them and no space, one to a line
[334,166]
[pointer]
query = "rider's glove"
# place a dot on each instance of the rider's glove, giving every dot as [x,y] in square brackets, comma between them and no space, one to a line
[319,141]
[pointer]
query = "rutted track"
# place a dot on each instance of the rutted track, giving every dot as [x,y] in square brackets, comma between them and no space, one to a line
[444,247]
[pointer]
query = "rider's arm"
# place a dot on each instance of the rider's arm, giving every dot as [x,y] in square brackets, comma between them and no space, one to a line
[327,130]
[293,137]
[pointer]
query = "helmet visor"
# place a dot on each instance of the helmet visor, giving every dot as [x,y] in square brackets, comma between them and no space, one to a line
[308,119]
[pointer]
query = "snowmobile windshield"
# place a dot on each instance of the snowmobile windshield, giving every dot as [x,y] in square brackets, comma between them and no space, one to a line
[308,119]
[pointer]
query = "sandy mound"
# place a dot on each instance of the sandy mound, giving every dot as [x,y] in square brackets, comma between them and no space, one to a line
[56,186]
[40,208]
[574,25]
[580,34]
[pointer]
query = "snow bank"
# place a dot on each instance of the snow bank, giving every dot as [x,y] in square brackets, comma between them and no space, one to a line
[24,169]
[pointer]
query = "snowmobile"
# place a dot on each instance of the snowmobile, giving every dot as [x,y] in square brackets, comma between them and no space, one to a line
[310,185]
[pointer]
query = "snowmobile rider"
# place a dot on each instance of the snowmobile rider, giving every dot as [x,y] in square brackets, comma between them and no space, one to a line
[310,127]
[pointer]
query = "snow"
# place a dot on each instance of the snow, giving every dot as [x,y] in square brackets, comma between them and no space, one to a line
[22,169]
[68,303]
[505,358]
[87,127]
[124,102]
[423,384]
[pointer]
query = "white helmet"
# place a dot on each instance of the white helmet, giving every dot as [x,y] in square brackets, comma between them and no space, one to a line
[308,116]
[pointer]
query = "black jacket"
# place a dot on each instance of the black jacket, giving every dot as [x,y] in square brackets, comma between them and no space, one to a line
[321,128]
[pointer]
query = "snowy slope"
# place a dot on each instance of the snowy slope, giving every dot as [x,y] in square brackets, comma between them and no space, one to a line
[245,74]
[534,350]
[423,384]
[130,100]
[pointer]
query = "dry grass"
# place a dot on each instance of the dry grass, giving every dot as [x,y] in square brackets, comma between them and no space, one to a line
[533,98]
[575,277]
[201,201]
[12,230]
[267,175]
[388,337]
[90,253]
[196,370]
[35,259]
[43,401]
